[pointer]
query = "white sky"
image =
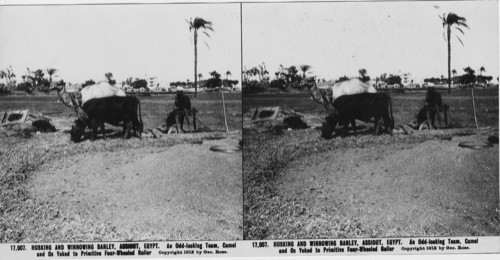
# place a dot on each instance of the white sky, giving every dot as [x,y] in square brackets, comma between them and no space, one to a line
[340,38]
[86,41]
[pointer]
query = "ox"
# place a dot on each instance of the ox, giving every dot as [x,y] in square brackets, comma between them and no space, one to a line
[364,106]
[111,110]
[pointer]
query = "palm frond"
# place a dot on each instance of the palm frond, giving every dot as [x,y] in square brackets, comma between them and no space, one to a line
[190,22]
[460,23]
[208,35]
[460,40]
[208,28]
[459,29]
[207,45]
[305,67]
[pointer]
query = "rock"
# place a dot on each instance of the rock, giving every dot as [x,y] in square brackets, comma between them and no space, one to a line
[493,139]
[295,122]
[43,125]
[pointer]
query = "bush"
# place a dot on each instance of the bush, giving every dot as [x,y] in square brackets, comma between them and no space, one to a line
[278,83]
[44,87]
[254,86]
[213,83]
[140,83]
[4,89]
[27,87]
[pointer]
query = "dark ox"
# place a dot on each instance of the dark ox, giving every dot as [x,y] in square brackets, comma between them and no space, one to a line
[363,107]
[111,110]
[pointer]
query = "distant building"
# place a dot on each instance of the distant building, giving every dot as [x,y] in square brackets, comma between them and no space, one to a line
[407,80]
[73,87]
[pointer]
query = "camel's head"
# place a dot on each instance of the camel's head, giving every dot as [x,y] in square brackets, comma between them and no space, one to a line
[307,82]
[57,85]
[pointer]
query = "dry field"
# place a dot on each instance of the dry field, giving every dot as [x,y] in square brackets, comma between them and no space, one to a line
[298,185]
[169,188]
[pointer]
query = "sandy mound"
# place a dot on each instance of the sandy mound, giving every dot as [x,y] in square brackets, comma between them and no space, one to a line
[182,192]
[452,190]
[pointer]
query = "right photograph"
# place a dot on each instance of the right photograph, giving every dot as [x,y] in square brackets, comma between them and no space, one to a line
[370,119]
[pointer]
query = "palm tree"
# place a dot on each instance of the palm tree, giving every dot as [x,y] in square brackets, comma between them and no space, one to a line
[200,76]
[39,76]
[195,25]
[8,74]
[469,70]
[481,70]
[215,74]
[304,68]
[452,21]
[109,78]
[362,75]
[362,72]
[228,73]
[50,72]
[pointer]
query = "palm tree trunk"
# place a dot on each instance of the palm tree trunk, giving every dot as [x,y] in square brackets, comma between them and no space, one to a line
[195,63]
[449,60]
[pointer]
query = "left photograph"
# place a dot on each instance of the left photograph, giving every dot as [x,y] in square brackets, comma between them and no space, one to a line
[120,123]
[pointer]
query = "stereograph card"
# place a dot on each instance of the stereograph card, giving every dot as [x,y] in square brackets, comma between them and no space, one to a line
[196,129]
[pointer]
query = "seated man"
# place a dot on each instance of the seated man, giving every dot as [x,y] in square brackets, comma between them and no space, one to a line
[182,107]
[182,102]
[433,105]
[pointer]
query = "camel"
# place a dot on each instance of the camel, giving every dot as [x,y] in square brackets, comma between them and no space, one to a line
[100,90]
[76,100]
[327,95]
[72,100]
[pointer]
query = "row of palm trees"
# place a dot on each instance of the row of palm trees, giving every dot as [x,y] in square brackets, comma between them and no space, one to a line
[481,70]
[35,78]
[200,76]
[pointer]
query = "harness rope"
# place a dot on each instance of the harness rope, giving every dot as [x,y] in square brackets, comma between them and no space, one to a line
[325,99]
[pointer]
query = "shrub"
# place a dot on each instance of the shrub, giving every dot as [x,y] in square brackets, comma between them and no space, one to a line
[4,89]
[140,83]
[278,83]
[27,87]
[254,86]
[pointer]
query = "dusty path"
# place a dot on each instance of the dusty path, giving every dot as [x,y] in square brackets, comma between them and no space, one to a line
[427,189]
[183,192]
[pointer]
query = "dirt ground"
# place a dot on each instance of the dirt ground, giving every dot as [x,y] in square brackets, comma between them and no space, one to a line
[299,185]
[181,192]
[432,188]
[169,188]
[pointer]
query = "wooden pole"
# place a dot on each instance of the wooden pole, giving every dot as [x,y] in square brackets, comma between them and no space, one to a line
[224,108]
[474,108]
